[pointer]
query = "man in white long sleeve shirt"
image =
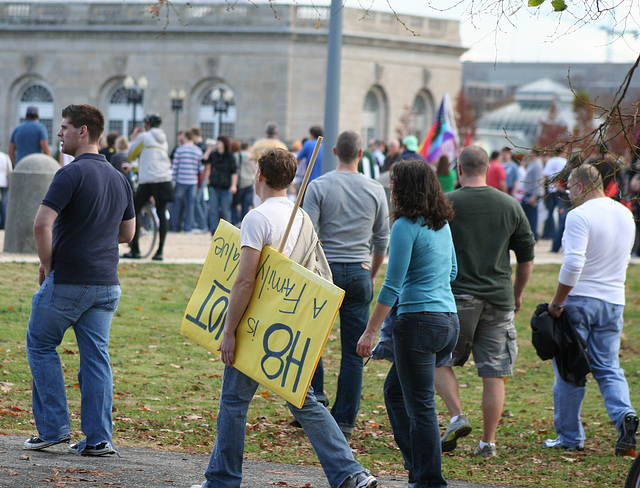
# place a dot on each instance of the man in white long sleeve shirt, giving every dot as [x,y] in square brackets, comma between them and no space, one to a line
[597,243]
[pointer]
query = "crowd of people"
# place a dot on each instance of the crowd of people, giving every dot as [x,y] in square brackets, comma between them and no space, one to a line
[448,292]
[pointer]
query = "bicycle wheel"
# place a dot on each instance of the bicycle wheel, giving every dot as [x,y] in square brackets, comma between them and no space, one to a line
[633,478]
[147,232]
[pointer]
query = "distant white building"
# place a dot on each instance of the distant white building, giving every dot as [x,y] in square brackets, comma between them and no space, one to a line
[271,63]
[517,124]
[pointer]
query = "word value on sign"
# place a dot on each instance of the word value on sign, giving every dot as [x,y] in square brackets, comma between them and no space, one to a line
[282,334]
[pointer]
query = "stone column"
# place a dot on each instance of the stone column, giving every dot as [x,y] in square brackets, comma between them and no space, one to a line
[30,180]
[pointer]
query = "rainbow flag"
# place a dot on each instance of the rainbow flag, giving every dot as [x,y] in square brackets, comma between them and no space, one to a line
[442,136]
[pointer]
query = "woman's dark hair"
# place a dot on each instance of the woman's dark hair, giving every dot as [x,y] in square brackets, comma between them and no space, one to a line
[442,168]
[225,141]
[415,193]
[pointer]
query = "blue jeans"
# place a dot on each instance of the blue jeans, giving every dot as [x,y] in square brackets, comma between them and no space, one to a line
[246,199]
[89,310]
[4,193]
[219,207]
[201,210]
[420,342]
[355,280]
[600,324]
[182,208]
[225,464]
[563,208]
[551,200]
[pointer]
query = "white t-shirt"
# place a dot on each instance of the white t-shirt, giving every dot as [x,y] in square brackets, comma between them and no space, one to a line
[266,225]
[597,243]
[5,168]
[552,168]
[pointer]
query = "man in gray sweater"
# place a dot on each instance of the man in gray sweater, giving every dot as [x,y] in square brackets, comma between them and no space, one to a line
[533,188]
[350,214]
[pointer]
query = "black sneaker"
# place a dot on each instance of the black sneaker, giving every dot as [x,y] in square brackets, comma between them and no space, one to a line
[627,436]
[158,256]
[132,255]
[35,443]
[102,449]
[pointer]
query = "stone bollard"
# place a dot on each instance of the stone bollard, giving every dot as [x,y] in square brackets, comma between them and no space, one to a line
[30,180]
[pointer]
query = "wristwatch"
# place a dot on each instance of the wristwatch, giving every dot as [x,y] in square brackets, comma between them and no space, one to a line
[556,306]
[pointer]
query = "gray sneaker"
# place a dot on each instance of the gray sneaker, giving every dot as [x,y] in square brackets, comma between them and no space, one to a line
[361,480]
[460,428]
[557,444]
[487,451]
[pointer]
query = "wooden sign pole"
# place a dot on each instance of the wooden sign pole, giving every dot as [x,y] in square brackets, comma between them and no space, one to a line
[303,187]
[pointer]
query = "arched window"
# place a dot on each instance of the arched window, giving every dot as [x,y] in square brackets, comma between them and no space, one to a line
[39,96]
[370,117]
[421,116]
[121,114]
[217,112]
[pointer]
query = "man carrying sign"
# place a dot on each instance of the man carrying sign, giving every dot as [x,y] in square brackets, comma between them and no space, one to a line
[265,225]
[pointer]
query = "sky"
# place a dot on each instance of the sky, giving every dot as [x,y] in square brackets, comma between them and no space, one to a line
[530,34]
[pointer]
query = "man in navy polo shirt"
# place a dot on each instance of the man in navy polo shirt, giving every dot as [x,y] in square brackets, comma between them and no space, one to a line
[87,210]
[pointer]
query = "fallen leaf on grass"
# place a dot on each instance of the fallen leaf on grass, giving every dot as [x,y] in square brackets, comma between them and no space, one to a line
[176,366]
[139,308]
[68,351]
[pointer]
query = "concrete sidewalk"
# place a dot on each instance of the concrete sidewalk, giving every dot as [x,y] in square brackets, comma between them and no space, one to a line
[145,468]
[181,248]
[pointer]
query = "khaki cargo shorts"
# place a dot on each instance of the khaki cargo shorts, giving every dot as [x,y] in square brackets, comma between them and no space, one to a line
[487,332]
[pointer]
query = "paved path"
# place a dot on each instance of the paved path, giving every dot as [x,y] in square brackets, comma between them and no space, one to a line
[183,248]
[145,468]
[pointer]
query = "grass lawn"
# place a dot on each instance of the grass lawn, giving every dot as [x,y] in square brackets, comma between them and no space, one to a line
[167,388]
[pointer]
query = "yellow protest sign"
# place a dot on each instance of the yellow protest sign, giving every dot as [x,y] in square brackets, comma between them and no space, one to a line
[281,336]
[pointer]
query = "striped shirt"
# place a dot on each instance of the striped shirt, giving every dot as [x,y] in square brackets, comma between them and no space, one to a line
[187,162]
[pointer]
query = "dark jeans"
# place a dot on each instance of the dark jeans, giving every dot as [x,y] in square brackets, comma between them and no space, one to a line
[355,280]
[551,200]
[219,207]
[531,211]
[420,342]
[245,196]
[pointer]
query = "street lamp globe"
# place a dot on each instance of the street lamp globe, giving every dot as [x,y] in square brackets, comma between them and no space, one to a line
[143,83]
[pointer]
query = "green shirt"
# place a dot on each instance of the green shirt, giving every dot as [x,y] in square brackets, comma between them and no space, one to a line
[448,183]
[487,224]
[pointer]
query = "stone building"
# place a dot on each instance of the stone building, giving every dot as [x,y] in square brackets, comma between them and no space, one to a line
[265,64]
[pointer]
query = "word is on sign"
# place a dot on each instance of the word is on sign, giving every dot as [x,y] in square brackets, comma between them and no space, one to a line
[281,336]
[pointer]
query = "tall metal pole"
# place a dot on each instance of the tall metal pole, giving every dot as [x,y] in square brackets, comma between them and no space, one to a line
[135,104]
[332,101]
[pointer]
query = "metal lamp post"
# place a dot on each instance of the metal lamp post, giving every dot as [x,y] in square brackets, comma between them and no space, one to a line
[222,100]
[135,93]
[177,103]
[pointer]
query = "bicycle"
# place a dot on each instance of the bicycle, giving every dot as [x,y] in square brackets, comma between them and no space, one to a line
[147,230]
[147,223]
